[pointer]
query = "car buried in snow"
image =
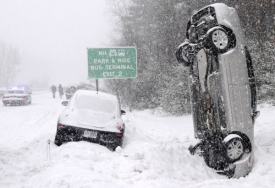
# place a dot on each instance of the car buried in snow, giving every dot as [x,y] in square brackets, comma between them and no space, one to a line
[222,88]
[91,116]
[16,97]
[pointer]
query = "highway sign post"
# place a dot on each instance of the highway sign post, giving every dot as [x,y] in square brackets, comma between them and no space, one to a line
[112,63]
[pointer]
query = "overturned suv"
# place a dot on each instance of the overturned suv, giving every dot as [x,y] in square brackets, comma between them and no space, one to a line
[222,88]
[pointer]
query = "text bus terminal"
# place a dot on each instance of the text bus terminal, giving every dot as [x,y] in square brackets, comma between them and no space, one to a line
[112,62]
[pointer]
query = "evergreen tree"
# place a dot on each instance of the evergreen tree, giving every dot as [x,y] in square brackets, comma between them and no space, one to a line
[156,28]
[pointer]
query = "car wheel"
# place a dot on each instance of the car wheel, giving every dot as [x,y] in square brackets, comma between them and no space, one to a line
[182,54]
[218,40]
[58,140]
[118,143]
[5,104]
[234,148]
[196,150]
[214,157]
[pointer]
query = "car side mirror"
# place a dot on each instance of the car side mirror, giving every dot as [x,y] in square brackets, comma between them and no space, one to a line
[122,112]
[64,103]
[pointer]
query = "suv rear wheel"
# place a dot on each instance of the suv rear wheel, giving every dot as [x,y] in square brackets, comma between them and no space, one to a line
[220,40]
[58,140]
[182,54]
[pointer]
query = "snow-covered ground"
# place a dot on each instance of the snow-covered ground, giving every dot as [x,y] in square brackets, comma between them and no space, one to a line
[154,153]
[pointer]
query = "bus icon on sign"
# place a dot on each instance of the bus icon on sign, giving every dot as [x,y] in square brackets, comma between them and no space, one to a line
[121,52]
[113,53]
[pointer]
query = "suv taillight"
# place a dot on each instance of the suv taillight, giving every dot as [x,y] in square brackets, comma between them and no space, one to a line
[119,126]
[61,126]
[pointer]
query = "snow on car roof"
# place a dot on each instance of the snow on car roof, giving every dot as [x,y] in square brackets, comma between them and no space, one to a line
[95,101]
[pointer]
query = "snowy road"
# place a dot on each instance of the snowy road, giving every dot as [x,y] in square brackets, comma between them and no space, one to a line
[154,153]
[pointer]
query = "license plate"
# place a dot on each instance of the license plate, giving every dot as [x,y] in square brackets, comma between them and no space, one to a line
[90,134]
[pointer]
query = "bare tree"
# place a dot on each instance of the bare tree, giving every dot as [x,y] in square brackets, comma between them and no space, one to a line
[9,61]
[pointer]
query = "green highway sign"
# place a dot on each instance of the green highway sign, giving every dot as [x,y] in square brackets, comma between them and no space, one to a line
[112,63]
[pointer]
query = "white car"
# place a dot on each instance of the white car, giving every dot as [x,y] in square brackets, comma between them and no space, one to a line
[91,116]
[222,88]
[16,97]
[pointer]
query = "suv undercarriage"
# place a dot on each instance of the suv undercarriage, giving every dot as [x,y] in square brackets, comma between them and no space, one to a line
[222,89]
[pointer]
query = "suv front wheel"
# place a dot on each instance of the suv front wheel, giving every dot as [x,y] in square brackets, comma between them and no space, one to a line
[234,146]
[58,139]
[182,54]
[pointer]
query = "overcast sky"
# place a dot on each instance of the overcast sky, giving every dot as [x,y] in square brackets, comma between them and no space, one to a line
[52,36]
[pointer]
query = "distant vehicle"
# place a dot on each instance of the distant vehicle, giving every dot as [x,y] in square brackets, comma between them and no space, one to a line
[24,87]
[69,92]
[222,88]
[91,117]
[16,97]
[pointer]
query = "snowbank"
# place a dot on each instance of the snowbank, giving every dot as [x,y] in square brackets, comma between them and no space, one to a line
[154,154]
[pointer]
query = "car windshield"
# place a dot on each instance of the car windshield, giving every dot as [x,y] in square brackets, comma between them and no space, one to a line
[16,92]
[95,103]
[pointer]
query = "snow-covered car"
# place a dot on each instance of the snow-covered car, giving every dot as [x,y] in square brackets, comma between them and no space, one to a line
[16,97]
[91,116]
[70,91]
[222,88]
